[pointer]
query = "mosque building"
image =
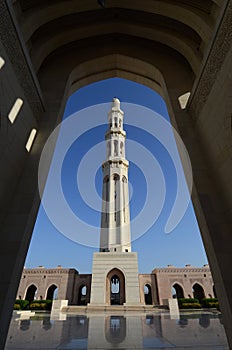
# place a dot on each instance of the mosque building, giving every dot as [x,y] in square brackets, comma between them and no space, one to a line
[115,279]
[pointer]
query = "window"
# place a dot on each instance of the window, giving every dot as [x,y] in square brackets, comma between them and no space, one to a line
[2,62]
[121,148]
[115,147]
[31,139]
[15,110]
[183,100]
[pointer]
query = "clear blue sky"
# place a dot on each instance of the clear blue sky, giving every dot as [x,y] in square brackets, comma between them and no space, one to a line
[155,248]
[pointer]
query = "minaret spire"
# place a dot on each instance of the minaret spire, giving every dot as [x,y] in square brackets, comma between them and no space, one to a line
[115,218]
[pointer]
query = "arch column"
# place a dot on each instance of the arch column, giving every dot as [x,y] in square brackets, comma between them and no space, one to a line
[210,195]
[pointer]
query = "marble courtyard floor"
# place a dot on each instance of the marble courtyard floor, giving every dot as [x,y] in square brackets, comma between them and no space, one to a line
[192,330]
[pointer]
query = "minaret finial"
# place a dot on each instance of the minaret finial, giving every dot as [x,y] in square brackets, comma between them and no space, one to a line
[116,103]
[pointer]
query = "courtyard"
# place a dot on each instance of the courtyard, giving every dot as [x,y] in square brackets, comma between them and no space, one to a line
[156,330]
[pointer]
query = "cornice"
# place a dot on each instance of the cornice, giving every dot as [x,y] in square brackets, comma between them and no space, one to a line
[181,270]
[45,271]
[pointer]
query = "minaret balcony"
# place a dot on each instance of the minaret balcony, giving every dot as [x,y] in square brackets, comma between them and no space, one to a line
[114,131]
[115,161]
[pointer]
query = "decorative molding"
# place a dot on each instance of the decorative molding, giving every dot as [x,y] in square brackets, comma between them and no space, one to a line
[217,55]
[45,271]
[179,270]
[11,42]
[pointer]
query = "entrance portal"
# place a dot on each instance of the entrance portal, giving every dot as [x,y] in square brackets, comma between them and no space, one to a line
[198,292]
[115,287]
[31,293]
[147,294]
[177,291]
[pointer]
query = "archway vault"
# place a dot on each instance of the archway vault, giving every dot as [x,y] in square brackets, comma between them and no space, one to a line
[51,49]
[116,65]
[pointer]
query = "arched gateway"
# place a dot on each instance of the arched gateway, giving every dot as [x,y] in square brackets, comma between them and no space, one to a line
[49,49]
[115,287]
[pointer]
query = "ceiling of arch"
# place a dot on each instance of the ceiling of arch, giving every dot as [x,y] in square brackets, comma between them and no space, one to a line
[179,27]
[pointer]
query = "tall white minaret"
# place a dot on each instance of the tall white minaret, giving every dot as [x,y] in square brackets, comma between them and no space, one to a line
[115,218]
[115,263]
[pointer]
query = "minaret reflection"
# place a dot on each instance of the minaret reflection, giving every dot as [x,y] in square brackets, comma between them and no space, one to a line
[115,329]
[115,332]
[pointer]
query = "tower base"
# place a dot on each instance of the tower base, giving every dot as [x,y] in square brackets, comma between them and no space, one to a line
[122,265]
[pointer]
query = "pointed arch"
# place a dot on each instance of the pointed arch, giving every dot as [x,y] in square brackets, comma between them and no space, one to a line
[147,294]
[52,292]
[116,179]
[31,293]
[198,291]
[177,291]
[82,294]
[115,287]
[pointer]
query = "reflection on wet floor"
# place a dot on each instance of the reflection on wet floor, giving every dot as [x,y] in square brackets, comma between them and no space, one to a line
[129,331]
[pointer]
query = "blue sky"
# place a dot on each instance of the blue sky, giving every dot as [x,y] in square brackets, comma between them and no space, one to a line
[155,248]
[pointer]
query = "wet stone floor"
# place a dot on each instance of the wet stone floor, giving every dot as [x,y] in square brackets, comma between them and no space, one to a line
[201,330]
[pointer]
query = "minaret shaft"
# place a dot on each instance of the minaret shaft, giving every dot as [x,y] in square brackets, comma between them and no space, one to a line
[115,219]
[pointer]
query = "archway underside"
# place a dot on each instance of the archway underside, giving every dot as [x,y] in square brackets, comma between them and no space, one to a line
[183,26]
[161,44]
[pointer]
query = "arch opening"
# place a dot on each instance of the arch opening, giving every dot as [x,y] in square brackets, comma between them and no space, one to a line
[115,287]
[31,293]
[198,292]
[147,294]
[177,291]
[151,59]
[52,292]
[82,295]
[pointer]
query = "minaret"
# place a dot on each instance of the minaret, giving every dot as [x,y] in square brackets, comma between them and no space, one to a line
[115,218]
[115,264]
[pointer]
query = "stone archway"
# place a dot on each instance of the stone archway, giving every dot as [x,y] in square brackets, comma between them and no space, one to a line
[115,287]
[148,294]
[82,295]
[178,291]
[31,293]
[46,65]
[198,291]
[52,292]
